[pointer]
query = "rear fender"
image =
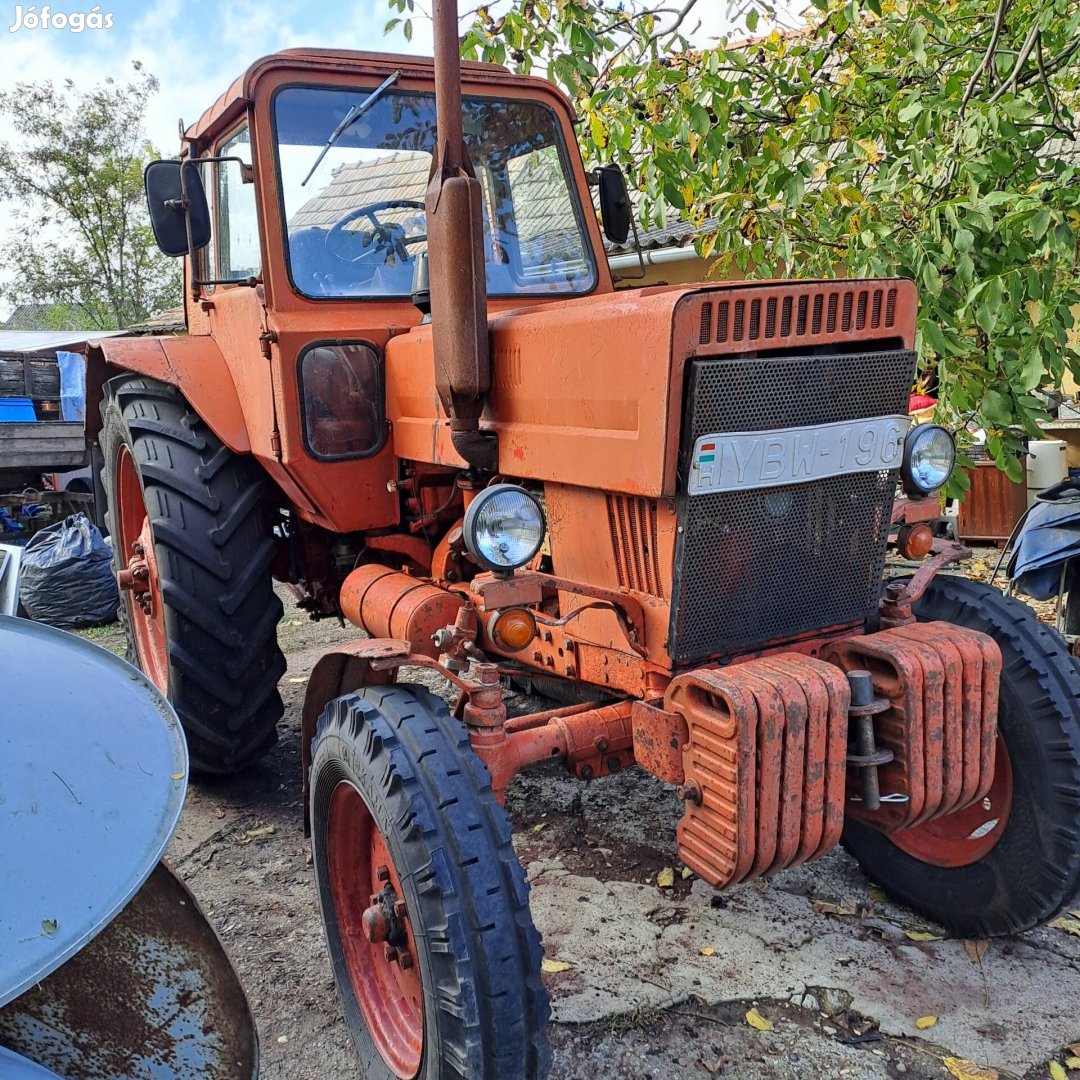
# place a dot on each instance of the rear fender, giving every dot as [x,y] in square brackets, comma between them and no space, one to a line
[194,365]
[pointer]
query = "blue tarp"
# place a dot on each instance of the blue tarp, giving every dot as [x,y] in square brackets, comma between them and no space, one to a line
[72,385]
[1050,538]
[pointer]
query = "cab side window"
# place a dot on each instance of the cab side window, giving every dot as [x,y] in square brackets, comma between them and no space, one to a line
[233,253]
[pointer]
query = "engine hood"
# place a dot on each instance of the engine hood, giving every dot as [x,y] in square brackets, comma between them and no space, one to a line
[589,392]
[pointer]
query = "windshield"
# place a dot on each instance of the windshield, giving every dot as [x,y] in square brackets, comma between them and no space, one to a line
[358,227]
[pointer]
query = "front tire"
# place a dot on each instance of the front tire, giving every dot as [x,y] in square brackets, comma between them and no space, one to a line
[203,623]
[1012,861]
[404,821]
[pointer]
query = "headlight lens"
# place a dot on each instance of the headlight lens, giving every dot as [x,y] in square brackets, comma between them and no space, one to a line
[504,527]
[929,456]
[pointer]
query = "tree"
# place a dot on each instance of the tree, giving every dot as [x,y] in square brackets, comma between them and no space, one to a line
[927,138]
[81,238]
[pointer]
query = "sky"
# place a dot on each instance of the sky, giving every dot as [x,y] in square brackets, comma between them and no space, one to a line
[198,47]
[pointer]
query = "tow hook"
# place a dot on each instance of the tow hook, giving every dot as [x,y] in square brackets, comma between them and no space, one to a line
[867,758]
[895,608]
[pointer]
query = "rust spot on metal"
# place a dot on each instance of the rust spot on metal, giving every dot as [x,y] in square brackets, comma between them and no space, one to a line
[152,994]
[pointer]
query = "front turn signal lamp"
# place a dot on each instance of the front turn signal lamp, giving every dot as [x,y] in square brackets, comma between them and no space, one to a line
[513,629]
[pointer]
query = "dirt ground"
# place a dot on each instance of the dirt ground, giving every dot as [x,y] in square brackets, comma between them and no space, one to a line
[660,980]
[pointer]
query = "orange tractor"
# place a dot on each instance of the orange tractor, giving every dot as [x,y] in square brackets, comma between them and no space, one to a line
[410,392]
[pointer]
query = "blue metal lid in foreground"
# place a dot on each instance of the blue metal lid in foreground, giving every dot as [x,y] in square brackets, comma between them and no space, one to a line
[93,770]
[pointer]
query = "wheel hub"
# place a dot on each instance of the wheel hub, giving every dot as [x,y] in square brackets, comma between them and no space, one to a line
[385,921]
[135,578]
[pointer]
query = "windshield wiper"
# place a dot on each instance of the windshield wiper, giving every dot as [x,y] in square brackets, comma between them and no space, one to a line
[351,117]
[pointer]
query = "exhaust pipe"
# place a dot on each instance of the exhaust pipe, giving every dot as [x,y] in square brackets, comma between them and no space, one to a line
[456,260]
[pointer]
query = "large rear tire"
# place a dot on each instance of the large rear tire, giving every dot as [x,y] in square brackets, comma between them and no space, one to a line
[413,861]
[1013,860]
[203,621]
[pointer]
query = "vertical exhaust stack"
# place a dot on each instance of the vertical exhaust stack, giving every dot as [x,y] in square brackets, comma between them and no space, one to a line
[456,260]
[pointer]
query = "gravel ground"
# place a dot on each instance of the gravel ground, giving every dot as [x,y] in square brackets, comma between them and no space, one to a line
[838,990]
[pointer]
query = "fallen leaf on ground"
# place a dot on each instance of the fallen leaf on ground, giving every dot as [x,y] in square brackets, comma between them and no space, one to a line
[256,834]
[177,776]
[757,1021]
[963,1069]
[1073,1048]
[666,878]
[922,935]
[976,948]
[553,967]
[1072,1063]
[539,826]
[1057,1071]
[925,1022]
[708,951]
[824,908]
[1070,926]
[686,872]
[876,894]
[49,926]
[299,679]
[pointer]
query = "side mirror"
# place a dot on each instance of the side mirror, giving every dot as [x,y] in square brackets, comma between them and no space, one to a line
[176,200]
[614,203]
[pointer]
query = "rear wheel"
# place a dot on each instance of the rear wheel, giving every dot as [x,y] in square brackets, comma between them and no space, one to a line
[193,559]
[1011,860]
[424,902]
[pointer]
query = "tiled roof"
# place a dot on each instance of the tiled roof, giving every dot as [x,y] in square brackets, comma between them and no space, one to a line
[541,213]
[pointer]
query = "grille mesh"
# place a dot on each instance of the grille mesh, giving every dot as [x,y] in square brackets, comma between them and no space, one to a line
[764,565]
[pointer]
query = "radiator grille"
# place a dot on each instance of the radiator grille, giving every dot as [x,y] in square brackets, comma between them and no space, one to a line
[633,539]
[758,320]
[759,566]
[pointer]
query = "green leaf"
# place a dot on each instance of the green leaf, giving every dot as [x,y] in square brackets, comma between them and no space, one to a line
[752,20]
[1039,224]
[997,408]
[699,119]
[917,41]
[910,111]
[674,195]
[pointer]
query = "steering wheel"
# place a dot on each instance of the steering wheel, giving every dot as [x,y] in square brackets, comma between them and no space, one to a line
[386,238]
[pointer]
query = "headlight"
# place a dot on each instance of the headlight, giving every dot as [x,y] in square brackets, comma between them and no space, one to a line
[929,456]
[504,527]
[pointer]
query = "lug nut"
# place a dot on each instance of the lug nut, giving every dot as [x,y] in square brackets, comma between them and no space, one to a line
[390,954]
[405,960]
[399,909]
[382,872]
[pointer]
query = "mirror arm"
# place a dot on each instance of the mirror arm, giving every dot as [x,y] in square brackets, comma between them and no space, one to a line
[247,176]
[637,251]
[186,205]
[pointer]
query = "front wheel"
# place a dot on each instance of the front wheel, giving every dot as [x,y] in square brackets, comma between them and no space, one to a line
[1012,860]
[423,900]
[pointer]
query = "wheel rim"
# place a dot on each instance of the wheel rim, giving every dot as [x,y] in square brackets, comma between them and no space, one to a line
[970,834]
[139,575]
[360,868]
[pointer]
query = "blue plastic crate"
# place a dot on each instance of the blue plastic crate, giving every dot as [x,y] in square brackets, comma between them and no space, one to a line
[16,410]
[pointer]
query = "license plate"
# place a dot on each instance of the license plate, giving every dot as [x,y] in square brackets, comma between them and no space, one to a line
[745,460]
